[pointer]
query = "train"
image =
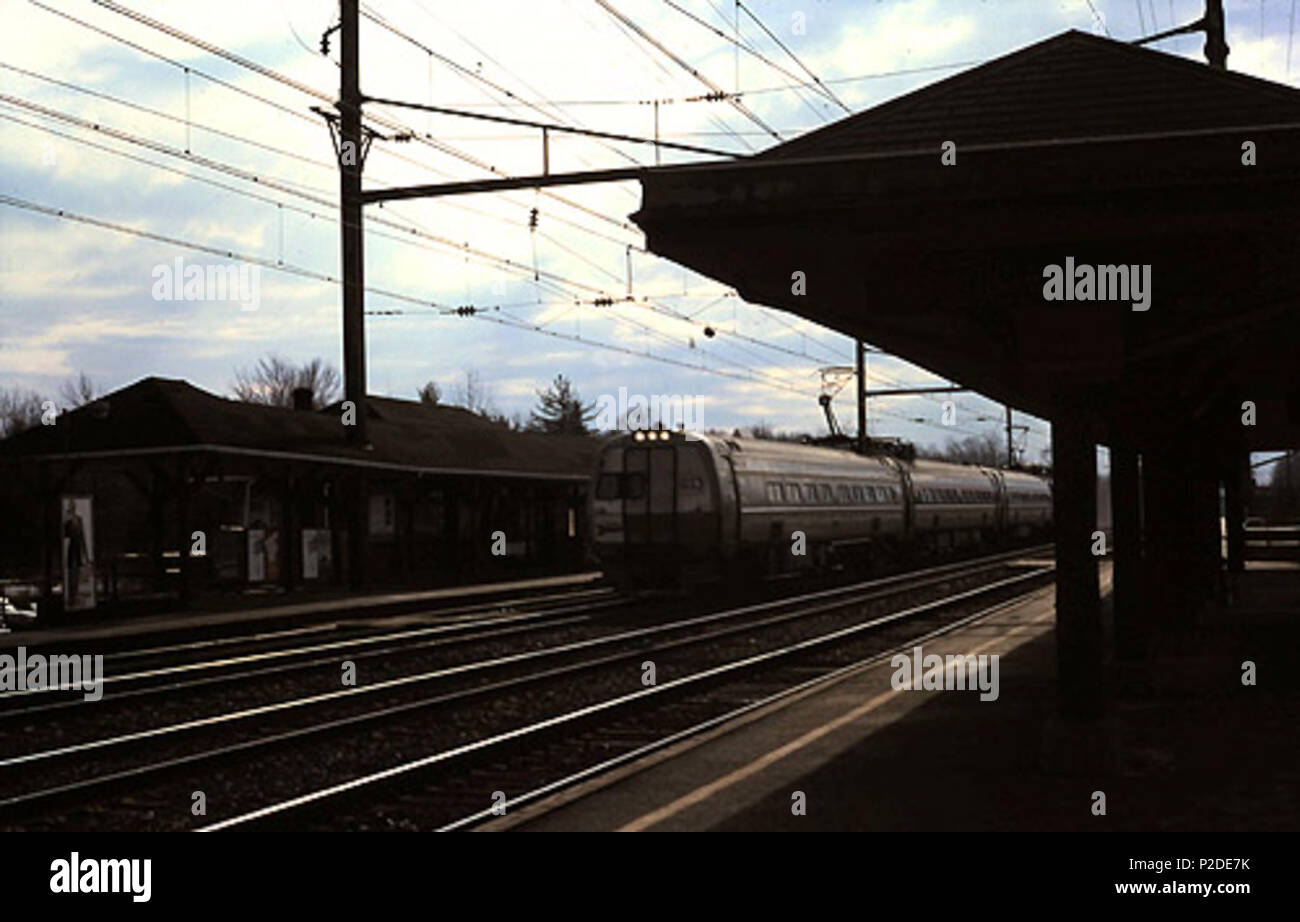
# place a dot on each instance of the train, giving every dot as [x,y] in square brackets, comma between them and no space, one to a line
[672,509]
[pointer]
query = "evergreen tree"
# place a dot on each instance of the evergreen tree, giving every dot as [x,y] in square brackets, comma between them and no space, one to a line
[560,410]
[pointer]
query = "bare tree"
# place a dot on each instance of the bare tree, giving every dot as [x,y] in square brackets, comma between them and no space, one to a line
[768,432]
[273,380]
[78,391]
[19,410]
[987,448]
[474,394]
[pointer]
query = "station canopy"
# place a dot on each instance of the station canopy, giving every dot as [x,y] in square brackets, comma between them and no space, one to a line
[1077,151]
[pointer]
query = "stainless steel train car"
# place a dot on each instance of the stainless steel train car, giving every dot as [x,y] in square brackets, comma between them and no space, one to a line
[673,508]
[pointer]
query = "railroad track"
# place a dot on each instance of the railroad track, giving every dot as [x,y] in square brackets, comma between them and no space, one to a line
[202,641]
[468,712]
[143,674]
[450,790]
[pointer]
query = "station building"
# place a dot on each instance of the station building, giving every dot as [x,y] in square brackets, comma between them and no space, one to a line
[161,494]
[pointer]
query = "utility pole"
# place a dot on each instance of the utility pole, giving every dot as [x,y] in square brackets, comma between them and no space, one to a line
[1214,27]
[351,153]
[862,397]
[351,150]
[1011,452]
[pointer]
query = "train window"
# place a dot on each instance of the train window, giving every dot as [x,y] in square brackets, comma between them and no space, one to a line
[793,494]
[608,487]
[774,493]
[620,486]
[826,494]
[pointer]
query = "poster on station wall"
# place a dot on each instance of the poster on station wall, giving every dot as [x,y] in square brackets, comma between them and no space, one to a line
[315,553]
[78,530]
[256,555]
[263,555]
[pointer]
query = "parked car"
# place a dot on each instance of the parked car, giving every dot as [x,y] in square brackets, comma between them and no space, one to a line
[11,616]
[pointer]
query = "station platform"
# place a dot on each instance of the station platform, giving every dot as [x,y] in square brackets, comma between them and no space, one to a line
[1183,746]
[368,605]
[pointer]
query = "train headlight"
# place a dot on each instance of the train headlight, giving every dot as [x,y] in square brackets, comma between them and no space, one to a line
[638,436]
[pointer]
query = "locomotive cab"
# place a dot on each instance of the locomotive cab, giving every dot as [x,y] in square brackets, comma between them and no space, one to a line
[655,509]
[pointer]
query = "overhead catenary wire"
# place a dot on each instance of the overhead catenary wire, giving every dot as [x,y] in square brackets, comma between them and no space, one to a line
[665,76]
[779,88]
[744,46]
[606,135]
[458,250]
[474,75]
[64,214]
[260,180]
[281,186]
[455,248]
[449,241]
[272,74]
[663,49]
[288,110]
[780,44]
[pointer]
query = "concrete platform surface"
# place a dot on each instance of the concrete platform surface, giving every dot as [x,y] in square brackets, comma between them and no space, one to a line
[91,628]
[1184,744]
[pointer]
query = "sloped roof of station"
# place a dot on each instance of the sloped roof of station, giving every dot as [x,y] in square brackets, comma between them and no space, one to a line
[1070,86]
[1074,148]
[166,413]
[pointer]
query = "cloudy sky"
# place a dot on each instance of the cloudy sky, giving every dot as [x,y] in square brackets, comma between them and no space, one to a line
[154,148]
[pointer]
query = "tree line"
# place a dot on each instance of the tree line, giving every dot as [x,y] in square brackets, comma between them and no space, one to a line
[273,380]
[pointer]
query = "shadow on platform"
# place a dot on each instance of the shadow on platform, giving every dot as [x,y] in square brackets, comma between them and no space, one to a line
[1184,745]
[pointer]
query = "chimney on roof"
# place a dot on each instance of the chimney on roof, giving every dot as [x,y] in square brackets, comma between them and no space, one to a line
[302,398]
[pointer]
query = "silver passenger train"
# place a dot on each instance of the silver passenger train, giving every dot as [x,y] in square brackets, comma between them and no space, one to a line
[674,508]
